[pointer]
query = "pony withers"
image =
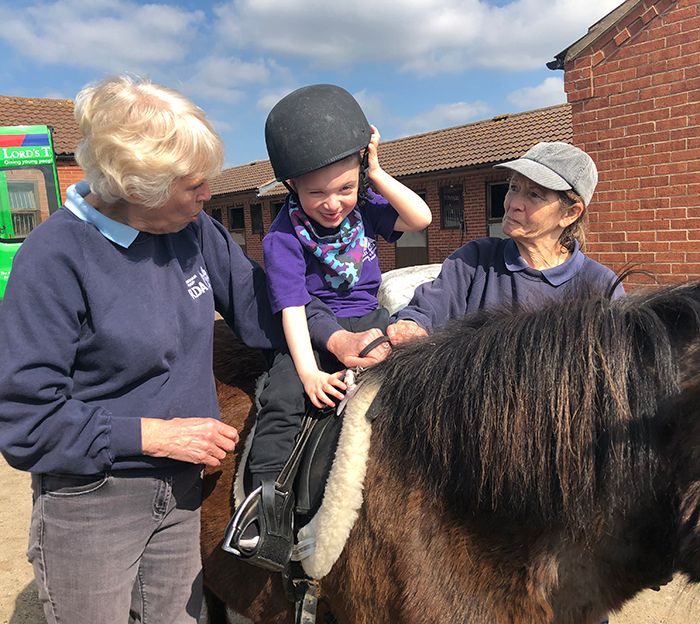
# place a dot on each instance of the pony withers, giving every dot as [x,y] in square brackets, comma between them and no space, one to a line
[524,467]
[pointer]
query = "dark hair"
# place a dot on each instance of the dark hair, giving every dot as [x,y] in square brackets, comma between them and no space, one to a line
[577,230]
[558,410]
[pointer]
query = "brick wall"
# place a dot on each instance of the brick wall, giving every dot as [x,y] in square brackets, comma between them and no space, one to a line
[68,173]
[635,96]
[441,242]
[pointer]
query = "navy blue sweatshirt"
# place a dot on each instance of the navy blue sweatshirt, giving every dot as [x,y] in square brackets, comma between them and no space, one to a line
[95,335]
[490,273]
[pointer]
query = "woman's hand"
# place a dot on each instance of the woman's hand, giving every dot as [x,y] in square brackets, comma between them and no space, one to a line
[404,331]
[347,346]
[320,386]
[194,440]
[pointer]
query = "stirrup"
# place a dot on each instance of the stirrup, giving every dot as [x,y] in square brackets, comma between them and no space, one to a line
[244,517]
[272,510]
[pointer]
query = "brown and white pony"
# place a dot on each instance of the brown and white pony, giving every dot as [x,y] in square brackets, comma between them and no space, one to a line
[528,467]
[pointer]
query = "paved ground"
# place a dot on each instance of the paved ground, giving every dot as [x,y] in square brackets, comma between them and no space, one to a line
[676,603]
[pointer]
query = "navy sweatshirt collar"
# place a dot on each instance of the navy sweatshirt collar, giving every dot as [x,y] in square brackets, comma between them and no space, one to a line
[555,276]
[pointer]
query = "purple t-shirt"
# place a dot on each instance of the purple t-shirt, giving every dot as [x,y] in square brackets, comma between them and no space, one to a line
[294,274]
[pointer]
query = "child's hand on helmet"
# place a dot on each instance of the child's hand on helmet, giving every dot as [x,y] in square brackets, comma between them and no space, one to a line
[373,153]
[322,387]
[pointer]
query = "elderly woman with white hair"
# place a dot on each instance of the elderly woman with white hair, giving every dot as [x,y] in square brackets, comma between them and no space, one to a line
[107,394]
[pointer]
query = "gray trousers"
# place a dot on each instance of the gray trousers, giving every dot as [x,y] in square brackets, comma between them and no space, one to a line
[118,548]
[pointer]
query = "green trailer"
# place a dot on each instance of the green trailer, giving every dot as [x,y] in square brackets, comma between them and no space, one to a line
[29,190]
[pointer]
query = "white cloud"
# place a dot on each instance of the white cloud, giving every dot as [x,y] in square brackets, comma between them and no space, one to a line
[53,94]
[107,35]
[270,97]
[548,93]
[223,126]
[224,79]
[372,106]
[445,116]
[423,37]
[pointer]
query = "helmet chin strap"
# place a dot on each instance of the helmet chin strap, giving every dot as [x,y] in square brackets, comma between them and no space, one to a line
[364,178]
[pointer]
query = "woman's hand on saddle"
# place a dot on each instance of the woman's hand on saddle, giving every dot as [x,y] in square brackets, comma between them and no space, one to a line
[194,440]
[404,331]
[347,346]
[321,386]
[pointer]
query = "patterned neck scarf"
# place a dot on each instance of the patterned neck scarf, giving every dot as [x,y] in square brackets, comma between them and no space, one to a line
[340,253]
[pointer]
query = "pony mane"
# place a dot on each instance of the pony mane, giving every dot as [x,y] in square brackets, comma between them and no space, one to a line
[542,414]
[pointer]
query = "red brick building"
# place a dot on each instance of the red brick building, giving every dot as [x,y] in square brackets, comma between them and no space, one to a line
[452,169]
[633,82]
[633,90]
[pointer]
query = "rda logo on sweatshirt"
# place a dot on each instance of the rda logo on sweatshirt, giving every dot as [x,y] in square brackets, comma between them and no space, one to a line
[198,284]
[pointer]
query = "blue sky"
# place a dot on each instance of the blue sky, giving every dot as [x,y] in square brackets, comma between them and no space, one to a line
[414,65]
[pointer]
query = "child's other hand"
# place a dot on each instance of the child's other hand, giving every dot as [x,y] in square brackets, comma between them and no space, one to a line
[373,153]
[321,386]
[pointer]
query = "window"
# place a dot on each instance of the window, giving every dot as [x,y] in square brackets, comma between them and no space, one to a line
[24,206]
[495,197]
[236,218]
[236,225]
[275,208]
[31,195]
[412,247]
[256,220]
[216,215]
[451,206]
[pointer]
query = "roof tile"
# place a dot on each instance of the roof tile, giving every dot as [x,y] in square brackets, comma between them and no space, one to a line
[479,144]
[16,111]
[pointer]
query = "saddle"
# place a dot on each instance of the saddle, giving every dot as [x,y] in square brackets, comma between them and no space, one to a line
[295,496]
[291,501]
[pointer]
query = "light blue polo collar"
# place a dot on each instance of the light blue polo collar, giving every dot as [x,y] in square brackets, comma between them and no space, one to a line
[119,233]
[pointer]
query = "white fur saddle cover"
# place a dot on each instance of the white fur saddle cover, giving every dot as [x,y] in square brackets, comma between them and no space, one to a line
[321,541]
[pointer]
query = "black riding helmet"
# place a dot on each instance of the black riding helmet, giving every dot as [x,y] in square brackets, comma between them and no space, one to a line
[313,127]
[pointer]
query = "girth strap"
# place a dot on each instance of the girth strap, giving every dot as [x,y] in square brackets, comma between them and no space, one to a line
[306,601]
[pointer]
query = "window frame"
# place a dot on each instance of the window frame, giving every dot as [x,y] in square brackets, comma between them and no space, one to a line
[458,216]
[237,233]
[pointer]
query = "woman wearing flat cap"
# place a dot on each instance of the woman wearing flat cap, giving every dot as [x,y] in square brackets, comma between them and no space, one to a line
[541,260]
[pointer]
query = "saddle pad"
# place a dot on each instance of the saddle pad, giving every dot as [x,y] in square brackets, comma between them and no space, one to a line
[321,541]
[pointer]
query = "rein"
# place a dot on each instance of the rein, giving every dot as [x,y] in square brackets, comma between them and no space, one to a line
[373,345]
